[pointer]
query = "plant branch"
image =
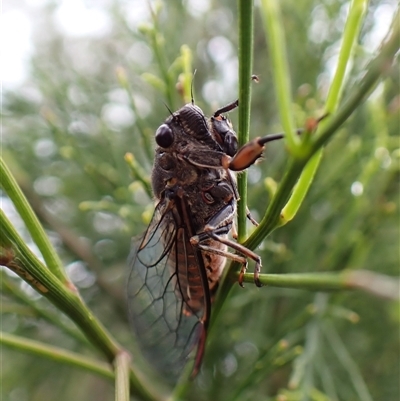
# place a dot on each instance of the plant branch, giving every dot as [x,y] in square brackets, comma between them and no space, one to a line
[121,365]
[69,238]
[139,123]
[245,54]
[9,286]
[271,218]
[24,263]
[270,221]
[32,223]
[370,282]
[377,68]
[347,361]
[57,354]
[374,72]
[20,259]
[275,37]
[139,174]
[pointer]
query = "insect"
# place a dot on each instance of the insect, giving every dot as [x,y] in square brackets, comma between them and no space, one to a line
[177,264]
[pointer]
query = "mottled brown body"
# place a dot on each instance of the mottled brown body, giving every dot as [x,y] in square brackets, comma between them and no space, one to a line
[177,265]
[206,192]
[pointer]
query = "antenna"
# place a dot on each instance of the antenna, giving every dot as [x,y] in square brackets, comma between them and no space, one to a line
[170,111]
[227,108]
[191,87]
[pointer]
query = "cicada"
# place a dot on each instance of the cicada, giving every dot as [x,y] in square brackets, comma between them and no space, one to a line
[177,265]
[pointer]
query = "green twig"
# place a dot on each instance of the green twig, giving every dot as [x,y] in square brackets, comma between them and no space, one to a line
[347,361]
[300,190]
[146,141]
[374,72]
[20,259]
[377,68]
[24,263]
[57,354]
[9,286]
[158,45]
[370,282]
[245,54]
[74,243]
[302,366]
[187,74]
[121,365]
[139,174]
[32,223]
[350,36]
[275,38]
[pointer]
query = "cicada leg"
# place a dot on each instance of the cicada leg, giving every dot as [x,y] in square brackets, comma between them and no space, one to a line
[244,251]
[217,235]
[252,150]
[250,217]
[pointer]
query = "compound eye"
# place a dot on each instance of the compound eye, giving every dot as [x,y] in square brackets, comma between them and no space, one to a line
[230,144]
[164,136]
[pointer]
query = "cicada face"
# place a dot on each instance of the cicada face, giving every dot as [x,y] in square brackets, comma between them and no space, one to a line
[176,266]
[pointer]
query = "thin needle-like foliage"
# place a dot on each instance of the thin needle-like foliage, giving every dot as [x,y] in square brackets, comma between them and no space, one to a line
[75,174]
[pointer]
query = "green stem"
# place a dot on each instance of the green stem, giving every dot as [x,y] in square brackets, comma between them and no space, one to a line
[9,286]
[350,35]
[187,74]
[271,218]
[275,38]
[378,67]
[121,365]
[370,282]
[158,45]
[139,174]
[57,354]
[139,123]
[20,259]
[29,268]
[32,223]
[351,32]
[245,54]
[347,361]
[374,72]
[301,188]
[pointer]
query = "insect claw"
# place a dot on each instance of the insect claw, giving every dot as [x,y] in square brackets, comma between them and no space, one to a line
[250,217]
[257,281]
[241,274]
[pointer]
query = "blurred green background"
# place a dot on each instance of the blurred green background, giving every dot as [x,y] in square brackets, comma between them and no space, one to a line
[97,78]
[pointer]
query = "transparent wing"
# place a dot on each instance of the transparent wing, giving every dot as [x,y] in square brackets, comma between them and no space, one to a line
[166,326]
